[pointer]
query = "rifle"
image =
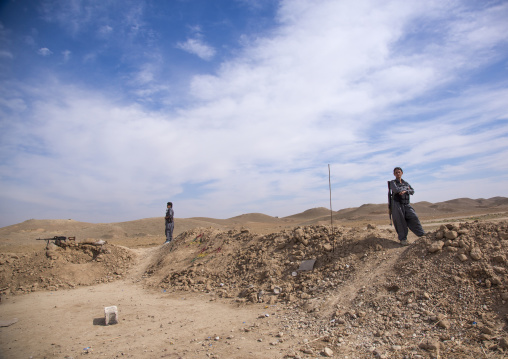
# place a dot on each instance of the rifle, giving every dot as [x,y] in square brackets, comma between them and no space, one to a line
[389,203]
[57,240]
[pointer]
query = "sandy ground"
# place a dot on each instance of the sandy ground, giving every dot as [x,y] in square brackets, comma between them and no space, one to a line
[159,323]
[152,324]
[70,323]
[64,324]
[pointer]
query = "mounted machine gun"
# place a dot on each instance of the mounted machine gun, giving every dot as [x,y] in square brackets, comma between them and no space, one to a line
[57,240]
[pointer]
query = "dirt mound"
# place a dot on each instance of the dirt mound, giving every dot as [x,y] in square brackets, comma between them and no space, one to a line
[65,265]
[238,263]
[444,295]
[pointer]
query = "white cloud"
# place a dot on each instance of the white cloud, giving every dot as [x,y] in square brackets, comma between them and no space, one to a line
[66,55]
[340,83]
[6,54]
[29,40]
[44,51]
[90,57]
[197,47]
[105,30]
[16,105]
[146,75]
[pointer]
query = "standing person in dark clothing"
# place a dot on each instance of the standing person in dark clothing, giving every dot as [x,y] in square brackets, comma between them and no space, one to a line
[169,222]
[404,216]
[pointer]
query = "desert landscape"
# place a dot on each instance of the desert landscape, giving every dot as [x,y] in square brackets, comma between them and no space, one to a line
[256,286]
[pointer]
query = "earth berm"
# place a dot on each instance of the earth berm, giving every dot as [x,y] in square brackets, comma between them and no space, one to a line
[361,295]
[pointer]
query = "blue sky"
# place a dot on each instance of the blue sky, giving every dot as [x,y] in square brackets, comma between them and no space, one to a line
[109,109]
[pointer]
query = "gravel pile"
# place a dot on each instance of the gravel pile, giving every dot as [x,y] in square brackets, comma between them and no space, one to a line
[443,296]
[62,266]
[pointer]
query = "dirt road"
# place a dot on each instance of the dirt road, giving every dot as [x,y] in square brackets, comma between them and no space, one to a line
[64,323]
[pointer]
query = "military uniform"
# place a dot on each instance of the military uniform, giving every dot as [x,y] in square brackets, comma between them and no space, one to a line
[169,224]
[404,216]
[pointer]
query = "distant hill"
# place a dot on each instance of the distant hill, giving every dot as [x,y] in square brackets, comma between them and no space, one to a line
[425,210]
[309,214]
[152,229]
[254,217]
[209,220]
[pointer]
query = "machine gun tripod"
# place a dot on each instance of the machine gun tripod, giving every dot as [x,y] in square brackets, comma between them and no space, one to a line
[57,240]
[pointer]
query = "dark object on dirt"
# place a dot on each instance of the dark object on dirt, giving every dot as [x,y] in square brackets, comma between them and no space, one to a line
[8,322]
[57,240]
[393,288]
[307,265]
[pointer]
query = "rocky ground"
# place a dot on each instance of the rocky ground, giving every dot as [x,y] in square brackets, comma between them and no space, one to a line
[442,296]
[314,292]
[66,265]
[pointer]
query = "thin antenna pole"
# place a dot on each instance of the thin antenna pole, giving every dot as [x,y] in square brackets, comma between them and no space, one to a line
[331,212]
[330,185]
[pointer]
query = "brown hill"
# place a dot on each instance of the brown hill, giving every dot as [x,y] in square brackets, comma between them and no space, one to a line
[254,217]
[138,233]
[310,214]
[425,210]
[220,222]
[150,231]
[364,211]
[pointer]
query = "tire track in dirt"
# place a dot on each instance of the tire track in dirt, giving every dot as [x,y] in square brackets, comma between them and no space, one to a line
[143,259]
[373,274]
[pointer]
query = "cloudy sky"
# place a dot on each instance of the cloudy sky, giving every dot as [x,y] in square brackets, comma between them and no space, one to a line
[109,109]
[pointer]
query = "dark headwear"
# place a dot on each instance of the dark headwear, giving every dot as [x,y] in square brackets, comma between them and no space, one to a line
[170,204]
[398,168]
